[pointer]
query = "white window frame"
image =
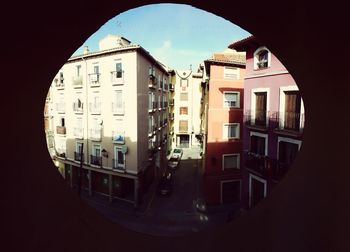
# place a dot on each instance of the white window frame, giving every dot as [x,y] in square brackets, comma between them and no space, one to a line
[256,55]
[224,133]
[251,176]
[225,105]
[228,181]
[116,149]
[231,154]
[282,104]
[287,140]
[231,68]
[253,104]
[253,133]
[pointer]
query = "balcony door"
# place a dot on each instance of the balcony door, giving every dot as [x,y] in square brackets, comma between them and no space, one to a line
[292,110]
[257,145]
[257,190]
[260,108]
[287,152]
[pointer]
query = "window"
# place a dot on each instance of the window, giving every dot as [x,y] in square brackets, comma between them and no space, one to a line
[231,131]
[231,72]
[258,145]
[119,70]
[61,78]
[262,58]
[260,108]
[118,133]
[118,105]
[183,126]
[96,130]
[183,110]
[231,100]
[230,161]
[119,158]
[292,110]
[78,150]
[96,69]
[78,68]
[183,96]
[62,122]
[95,105]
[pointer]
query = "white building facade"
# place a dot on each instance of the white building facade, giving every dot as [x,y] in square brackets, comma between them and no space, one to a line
[111,107]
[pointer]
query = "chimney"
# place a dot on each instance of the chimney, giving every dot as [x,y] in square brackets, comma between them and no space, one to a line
[86,50]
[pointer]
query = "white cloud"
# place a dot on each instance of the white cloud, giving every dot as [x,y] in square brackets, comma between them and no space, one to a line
[178,58]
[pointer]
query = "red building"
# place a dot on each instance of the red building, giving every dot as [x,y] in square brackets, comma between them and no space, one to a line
[222,179]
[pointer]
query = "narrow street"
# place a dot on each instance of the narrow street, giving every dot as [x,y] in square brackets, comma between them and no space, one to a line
[173,215]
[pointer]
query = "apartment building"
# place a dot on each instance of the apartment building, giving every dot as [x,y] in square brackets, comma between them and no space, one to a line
[222,117]
[171,110]
[186,107]
[273,120]
[110,118]
[48,124]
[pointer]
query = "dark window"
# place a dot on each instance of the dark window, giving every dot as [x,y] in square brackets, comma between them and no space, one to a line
[257,192]
[287,152]
[257,145]
[263,59]
[260,108]
[119,70]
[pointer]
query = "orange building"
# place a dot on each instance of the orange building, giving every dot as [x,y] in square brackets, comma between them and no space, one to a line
[222,181]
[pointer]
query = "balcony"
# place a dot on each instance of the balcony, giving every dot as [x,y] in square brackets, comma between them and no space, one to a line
[151,73]
[289,123]
[152,106]
[171,116]
[59,83]
[165,105]
[152,83]
[78,132]
[117,77]
[165,87]
[60,107]
[61,130]
[118,137]
[77,81]
[171,102]
[77,156]
[118,166]
[171,87]
[96,134]
[160,85]
[165,121]
[94,79]
[96,160]
[278,169]
[78,107]
[118,108]
[60,153]
[257,119]
[257,163]
[95,108]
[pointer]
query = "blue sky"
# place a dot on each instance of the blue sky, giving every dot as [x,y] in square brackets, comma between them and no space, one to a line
[175,34]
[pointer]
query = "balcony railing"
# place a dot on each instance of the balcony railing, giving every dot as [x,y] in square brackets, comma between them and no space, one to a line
[96,134]
[118,137]
[78,107]
[118,166]
[78,132]
[59,83]
[292,122]
[256,118]
[96,160]
[77,81]
[61,130]
[95,108]
[118,109]
[94,79]
[256,162]
[117,77]
[77,156]
[171,87]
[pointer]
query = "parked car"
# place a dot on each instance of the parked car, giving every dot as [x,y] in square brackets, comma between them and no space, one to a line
[177,153]
[165,184]
[173,163]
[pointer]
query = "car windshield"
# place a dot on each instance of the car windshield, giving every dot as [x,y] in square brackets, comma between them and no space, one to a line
[177,151]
